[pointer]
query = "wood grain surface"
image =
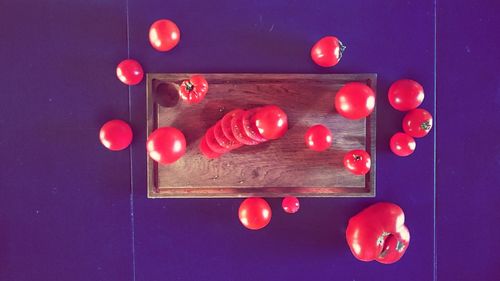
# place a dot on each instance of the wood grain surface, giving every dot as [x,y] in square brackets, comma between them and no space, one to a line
[272,169]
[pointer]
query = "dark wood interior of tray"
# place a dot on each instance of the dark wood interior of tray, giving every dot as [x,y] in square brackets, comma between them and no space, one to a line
[273,169]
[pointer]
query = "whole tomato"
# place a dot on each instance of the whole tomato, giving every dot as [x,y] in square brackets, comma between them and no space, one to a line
[164,35]
[254,213]
[327,52]
[417,123]
[355,100]
[130,72]
[318,138]
[290,204]
[406,94]
[193,90]
[271,122]
[402,144]
[357,162]
[166,145]
[116,135]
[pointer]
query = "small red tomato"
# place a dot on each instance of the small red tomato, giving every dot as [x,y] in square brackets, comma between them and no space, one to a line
[130,72]
[254,213]
[318,138]
[164,35]
[290,204]
[238,130]
[417,123]
[327,51]
[115,135]
[402,144]
[166,145]
[193,90]
[357,162]
[271,122]
[355,100]
[206,151]
[406,94]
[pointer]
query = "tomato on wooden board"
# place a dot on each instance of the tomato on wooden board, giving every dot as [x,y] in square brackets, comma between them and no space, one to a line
[355,100]
[225,124]
[417,123]
[222,140]
[271,122]
[290,204]
[212,142]
[206,151]
[193,90]
[357,162]
[116,135]
[406,94]
[130,72]
[328,51]
[402,144]
[164,35]
[239,132]
[249,127]
[166,145]
[378,233]
[318,138]
[254,213]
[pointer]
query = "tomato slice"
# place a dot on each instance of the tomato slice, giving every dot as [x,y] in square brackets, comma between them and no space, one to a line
[212,142]
[222,140]
[239,132]
[225,124]
[249,128]
[206,151]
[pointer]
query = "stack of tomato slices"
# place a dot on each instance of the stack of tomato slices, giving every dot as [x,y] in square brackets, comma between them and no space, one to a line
[243,127]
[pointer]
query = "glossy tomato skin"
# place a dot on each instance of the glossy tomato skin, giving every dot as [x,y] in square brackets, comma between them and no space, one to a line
[164,35]
[206,151]
[417,123]
[357,162]
[116,135]
[254,213]
[327,52]
[290,204]
[355,101]
[318,138]
[130,72]
[166,145]
[270,121]
[193,90]
[402,144]
[406,94]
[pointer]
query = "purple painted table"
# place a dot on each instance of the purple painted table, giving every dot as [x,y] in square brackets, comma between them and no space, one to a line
[70,210]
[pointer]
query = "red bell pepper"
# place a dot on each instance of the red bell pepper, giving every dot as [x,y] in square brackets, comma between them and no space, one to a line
[378,233]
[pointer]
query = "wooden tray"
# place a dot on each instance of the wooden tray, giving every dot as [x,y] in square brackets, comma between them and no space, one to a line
[273,169]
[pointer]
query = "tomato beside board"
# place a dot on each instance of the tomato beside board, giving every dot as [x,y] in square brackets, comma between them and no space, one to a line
[254,213]
[402,144]
[116,135]
[130,72]
[290,204]
[417,123]
[406,94]
[164,35]
[328,51]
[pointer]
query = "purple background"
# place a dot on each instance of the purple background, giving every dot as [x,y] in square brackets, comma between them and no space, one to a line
[71,210]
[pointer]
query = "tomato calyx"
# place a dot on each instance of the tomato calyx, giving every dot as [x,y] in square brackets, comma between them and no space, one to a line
[357,157]
[342,48]
[426,125]
[189,86]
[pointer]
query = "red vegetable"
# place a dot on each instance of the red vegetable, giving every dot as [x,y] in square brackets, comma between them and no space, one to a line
[225,124]
[130,72]
[116,135]
[378,233]
[250,127]
[270,121]
[212,142]
[166,145]
[193,90]
[357,162]
[290,204]
[318,138]
[164,35]
[327,52]
[417,123]
[406,94]
[355,100]
[205,150]
[254,213]
[239,131]
[402,144]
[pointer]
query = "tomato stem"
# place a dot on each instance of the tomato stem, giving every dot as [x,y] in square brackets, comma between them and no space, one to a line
[425,125]
[189,85]
[342,48]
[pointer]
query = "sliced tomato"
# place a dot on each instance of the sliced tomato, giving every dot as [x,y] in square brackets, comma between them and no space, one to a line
[222,140]
[225,124]
[206,151]
[239,132]
[212,142]
[249,128]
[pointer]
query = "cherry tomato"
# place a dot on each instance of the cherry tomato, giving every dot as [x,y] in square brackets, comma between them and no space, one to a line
[222,140]
[318,138]
[271,122]
[290,204]
[254,213]
[130,72]
[238,131]
[250,128]
[417,123]
[164,35]
[355,100]
[205,150]
[402,144]
[357,162]
[327,51]
[193,90]
[115,135]
[166,145]
[406,94]
[212,142]
[225,124]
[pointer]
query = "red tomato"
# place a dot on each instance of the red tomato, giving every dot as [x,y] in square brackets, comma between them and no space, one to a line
[290,204]
[130,72]
[225,124]
[166,145]
[193,90]
[318,138]
[254,213]
[271,122]
[327,51]
[115,135]
[222,140]
[212,142]
[164,35]
[357,162]
[205,150]
[406,94]
[355,100]
[249,127]
[402,144]
[417,123]
[238,131]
